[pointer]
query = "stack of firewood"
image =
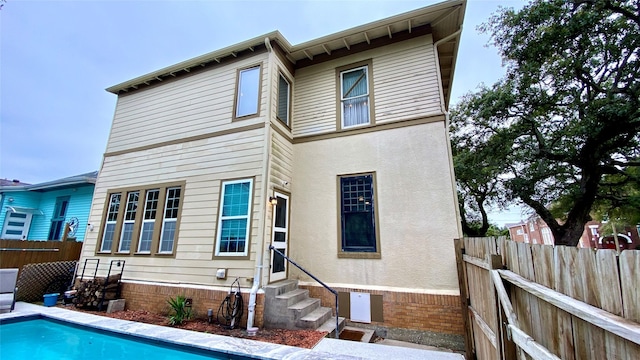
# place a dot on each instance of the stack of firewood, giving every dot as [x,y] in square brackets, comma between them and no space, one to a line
[96,292]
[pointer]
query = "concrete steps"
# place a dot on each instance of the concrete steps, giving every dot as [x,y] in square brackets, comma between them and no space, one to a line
[288,307]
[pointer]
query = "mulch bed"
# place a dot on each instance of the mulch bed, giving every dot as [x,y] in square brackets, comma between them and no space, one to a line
[300,338]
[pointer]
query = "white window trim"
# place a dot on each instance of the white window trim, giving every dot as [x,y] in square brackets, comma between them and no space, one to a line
[166,220]
[107,223]
[147,221]
[239,92]
[288,119]
[342,98]
[220,218]
[125,222]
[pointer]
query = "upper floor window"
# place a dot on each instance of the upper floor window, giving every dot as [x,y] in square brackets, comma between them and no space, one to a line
[147,220]
[355,96]
[234,218]
[248,93]
[358,233]
[284,96]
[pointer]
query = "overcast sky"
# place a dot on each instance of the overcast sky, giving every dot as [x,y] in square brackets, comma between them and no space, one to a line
[57,57]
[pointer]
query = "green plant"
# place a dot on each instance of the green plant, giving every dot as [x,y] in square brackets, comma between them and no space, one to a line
[179,310]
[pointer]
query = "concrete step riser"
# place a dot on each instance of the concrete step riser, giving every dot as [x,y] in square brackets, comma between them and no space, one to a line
[313,321]
[293,297]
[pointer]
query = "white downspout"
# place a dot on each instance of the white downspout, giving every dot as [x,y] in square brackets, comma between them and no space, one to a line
[446,127]
[257,276]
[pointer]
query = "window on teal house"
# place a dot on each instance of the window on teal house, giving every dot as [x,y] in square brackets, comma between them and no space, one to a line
[58,218]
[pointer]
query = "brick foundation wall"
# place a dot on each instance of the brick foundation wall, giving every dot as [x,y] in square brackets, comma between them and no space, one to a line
[426,312]
[153,298]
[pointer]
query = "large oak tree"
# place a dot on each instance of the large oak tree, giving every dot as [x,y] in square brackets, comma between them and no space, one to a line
[565,120]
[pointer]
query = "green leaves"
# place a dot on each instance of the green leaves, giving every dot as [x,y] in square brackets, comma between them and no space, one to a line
[179,311]
[566,114]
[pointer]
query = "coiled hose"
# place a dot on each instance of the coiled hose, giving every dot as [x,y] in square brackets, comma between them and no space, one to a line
[232,307]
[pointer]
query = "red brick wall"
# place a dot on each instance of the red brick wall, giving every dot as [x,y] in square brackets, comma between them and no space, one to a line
[426,312]
[153,298]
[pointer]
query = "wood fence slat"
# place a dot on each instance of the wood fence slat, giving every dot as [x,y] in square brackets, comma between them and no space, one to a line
[608,281]
[620,326]
[586,280]
[17,253]
[610,298]
[630,284]
[562,264]
[569,303]
[484,327]
[542,256]
[529,345]
[464,296]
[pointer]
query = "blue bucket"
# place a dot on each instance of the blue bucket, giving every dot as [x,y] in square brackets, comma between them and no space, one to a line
[50,299]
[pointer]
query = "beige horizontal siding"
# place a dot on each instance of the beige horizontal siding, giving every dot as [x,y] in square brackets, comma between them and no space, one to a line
[193,105]
[406,86]
[203,164]
[281,161]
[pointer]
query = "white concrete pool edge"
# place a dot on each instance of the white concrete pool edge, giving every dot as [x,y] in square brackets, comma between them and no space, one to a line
[326,349]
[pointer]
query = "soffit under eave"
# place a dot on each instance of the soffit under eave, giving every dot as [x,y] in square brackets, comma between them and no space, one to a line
[446,16]
[444,19]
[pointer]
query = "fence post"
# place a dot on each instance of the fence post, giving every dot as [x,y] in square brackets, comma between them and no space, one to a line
[464,299]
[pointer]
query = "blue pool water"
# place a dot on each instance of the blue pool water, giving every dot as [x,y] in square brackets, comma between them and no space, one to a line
[44,339]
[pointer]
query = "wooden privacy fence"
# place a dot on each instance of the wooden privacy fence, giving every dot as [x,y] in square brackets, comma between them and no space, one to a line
[18,253]
[542,302]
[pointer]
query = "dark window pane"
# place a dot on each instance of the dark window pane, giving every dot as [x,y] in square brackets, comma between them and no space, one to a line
[358,220]
[279,236]
[283,100]
[281,213]
[278,263]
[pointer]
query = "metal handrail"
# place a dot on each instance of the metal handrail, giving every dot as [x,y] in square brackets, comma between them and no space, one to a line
[335,293]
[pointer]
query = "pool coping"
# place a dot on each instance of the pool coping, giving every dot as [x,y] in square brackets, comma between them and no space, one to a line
[326,349]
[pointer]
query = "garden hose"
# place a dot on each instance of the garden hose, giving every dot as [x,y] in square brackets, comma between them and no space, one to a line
[232,307]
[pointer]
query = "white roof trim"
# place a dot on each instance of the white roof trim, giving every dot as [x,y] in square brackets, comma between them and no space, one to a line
[24,210]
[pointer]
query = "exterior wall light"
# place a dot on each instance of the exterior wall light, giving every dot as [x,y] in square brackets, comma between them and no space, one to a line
[273,201]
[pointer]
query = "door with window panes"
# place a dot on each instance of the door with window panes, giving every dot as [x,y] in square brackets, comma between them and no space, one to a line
[279,237]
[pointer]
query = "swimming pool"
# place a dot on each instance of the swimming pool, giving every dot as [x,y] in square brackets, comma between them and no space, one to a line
[48,339]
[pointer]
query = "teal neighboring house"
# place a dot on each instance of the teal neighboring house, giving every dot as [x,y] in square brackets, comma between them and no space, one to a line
[41,211]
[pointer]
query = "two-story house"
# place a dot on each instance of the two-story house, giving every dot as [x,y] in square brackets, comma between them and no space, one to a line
[335,151]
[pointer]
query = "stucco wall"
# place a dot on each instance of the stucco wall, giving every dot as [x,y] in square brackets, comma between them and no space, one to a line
[415,203]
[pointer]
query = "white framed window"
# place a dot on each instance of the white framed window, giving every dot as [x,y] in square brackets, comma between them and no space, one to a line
[284,97]
[354,97]
[247,96]
[168,233]
[519,232]
[148,220]
[232,235]
[531,227]
[130,212]
[110,226]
